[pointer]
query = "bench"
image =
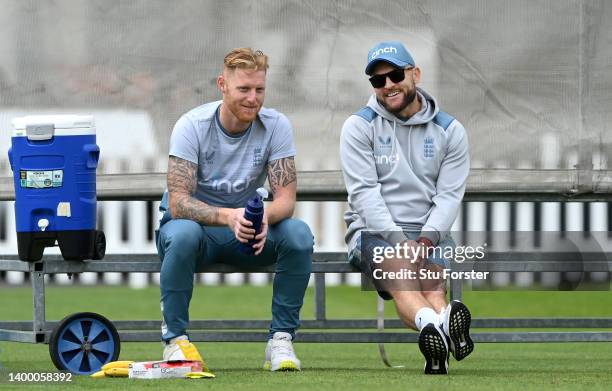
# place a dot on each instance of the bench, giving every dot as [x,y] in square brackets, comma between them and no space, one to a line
[483,185]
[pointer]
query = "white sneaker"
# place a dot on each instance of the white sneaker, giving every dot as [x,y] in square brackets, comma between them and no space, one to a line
[456,320]
[280,355]
[180,349]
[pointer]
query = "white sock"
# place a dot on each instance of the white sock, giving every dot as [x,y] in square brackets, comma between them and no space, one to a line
[424,316]
[442,315]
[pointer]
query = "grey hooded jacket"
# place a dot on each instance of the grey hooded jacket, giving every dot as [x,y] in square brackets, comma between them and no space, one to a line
[403,175]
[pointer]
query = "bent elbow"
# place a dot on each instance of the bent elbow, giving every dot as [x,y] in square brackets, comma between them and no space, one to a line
[291,210]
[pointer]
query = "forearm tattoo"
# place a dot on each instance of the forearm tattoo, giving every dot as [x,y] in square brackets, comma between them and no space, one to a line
[182,183]
[281,172]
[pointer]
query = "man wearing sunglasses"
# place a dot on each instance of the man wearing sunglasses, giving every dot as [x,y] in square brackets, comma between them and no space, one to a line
[405,164]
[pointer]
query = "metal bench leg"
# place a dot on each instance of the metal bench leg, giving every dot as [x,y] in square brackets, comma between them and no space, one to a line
[455,289]
[380,326]
[38,296]
[319,296]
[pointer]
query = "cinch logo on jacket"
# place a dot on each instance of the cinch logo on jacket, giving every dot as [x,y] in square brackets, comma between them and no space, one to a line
[390,160]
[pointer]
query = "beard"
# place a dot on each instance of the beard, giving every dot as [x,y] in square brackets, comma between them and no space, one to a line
[242,114]
[409,97]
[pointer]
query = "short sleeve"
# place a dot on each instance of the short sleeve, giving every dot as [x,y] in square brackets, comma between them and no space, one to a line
[281,144]
[184,140]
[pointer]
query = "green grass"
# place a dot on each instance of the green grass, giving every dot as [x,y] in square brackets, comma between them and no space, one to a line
[326,366]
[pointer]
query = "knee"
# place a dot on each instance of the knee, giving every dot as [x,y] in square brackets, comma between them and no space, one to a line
[295,236]
[181,236]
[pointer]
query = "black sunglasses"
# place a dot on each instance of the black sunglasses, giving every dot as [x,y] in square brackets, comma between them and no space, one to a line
[379,81]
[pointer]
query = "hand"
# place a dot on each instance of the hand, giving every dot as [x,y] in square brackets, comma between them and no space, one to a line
[242,228]
[261,238]
[426,247]
[419,250]
[422,251]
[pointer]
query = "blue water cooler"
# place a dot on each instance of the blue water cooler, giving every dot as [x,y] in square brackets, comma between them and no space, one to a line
[54,160]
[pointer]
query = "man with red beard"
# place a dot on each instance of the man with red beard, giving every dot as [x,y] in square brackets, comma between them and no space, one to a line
[405,164]
[220,154]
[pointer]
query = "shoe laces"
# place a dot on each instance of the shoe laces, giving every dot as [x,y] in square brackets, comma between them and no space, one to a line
[282,347]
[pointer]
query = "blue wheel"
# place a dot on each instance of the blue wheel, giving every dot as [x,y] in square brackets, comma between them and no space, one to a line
[83,342]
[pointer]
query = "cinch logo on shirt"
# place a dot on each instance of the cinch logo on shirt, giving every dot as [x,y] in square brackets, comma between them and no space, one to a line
[232,187]
[388,49]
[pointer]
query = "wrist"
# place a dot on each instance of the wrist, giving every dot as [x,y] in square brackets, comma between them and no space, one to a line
[224,217]
[425,241]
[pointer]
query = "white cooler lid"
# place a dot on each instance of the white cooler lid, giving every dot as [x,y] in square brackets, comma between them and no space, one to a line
[63,125]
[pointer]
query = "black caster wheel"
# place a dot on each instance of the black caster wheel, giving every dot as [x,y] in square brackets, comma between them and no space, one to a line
[99,245]
[81,343]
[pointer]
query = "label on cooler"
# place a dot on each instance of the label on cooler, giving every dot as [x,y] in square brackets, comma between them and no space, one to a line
[41,179]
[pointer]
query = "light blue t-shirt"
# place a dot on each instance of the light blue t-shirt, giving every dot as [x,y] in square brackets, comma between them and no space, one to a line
[231,168]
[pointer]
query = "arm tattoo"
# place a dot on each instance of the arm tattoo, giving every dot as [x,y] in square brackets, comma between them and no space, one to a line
[281,172]
[182,183]
[182,175]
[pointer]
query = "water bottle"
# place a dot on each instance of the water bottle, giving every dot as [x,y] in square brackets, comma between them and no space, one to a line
[254,211]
